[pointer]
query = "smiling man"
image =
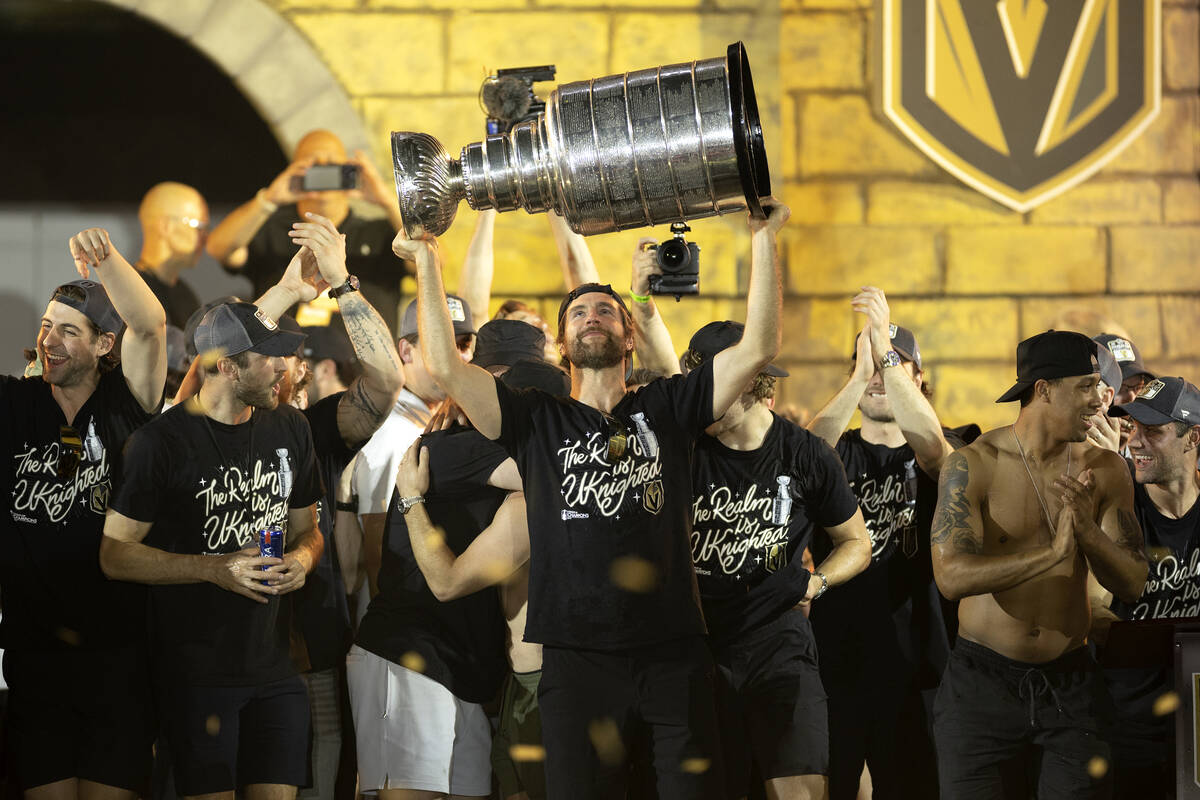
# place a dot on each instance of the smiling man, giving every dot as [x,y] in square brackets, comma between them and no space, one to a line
[71,729]
[198,484]
[1024,514]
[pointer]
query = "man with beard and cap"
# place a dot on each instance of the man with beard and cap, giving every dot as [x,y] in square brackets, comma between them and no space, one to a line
[1133,377]
[199,483]
[79,720]
[174,220]
[341,423]
[1025,513]
[255,239]
[607,479]
[766,490]
[891,613]
[1164,447]
[1106,430]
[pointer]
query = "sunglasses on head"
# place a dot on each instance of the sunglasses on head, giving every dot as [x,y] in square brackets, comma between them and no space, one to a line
[618,437]
[70,452]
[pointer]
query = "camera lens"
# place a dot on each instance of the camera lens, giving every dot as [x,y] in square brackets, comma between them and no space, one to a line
[673,255]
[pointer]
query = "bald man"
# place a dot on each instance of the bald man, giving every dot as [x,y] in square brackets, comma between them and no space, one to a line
[253,240]
[174,221]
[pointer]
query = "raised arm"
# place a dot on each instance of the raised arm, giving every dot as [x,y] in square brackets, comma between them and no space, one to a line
[960,566]
[734,367]
[915,416]
[575,257]
[652,340]
[228,240]
[367,401]
[123,557]
[479,266]
[472,388]
[831,421]
[494,555]
[1111,538]
[144,344]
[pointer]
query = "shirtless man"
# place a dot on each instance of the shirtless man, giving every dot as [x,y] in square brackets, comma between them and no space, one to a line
[1023,514]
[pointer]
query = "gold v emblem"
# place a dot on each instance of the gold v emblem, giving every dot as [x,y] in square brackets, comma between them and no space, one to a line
[1022,21]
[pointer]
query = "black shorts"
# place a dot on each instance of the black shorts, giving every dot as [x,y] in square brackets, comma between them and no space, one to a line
[84,714]
[226,737]
[1006,728]
[594,705]
[771,705]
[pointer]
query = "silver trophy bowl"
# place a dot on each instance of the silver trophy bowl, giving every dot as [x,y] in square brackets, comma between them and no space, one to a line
[657,145]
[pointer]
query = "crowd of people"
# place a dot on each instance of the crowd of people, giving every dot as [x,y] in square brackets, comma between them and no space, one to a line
[515,565]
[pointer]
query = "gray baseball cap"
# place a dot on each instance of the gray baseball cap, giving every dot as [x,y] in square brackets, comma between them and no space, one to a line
[1163,400]
[233,328]
[90,299]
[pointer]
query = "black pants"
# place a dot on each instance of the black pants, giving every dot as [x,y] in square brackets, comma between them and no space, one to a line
[1008,729]
[594,704]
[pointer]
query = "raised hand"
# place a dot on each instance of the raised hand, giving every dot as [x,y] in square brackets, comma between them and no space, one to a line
[89,248]
[413,477]
[320,236]
[872,302]
[280,190]
[777,216]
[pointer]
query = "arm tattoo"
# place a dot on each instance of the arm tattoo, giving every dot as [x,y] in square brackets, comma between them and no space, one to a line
[951,518]
[361,322]
[1129,533]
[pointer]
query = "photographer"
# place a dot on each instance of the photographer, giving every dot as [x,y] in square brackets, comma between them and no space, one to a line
[253,240]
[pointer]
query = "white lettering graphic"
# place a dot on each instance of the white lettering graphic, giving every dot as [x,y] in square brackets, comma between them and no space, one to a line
[237,504]
[39,491]
[726,528]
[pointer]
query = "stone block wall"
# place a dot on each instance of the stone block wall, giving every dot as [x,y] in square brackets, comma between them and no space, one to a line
[968,275]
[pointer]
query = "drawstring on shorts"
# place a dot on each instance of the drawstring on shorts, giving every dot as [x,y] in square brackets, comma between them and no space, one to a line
[1032,688]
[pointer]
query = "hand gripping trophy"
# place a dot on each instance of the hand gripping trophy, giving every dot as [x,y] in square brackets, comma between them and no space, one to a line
[652,146]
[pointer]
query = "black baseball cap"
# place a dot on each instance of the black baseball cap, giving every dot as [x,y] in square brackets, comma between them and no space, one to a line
[504,342]
[1110,370]
[460,315]
[328,341]
[289,325]
[189,330]
[904,342]
[1127,356]
[588,288]
[1050,355]
[90,299]
[1163,400]
[537,374]
[717,336]
[233,328]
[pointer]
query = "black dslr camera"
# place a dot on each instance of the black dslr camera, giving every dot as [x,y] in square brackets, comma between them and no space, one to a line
[508,96]
[679,261]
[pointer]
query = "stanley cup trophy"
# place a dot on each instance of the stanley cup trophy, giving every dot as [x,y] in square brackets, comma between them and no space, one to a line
[657,145]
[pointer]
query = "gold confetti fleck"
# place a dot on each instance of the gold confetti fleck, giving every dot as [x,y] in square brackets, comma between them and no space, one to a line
[212,725]
[527,752]
[696,766]
[209,358]
[607,740]
[1097,767]
[434,539]
[1166,703]
[413,661]
[633,574]
[497,570]
[68,636]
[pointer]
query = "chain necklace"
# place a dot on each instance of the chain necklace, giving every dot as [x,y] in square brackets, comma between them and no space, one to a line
[1029,472]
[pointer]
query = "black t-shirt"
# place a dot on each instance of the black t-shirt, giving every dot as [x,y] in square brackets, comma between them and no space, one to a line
[208,488]
[1172,590]
[179,301]
[51,587]
[461,642]
[890,613]
[593,520]
[369,256]
[753,514]
[322,609]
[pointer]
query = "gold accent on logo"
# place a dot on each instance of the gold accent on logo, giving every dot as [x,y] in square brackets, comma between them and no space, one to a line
[1021,99]
[776,557]
[653,497]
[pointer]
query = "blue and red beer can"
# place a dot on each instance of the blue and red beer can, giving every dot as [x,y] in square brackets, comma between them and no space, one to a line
[270,542]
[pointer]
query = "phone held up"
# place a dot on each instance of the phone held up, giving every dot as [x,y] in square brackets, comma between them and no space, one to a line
[326,178]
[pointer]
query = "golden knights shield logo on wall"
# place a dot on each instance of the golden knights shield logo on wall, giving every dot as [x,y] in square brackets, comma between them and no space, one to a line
[1021,99]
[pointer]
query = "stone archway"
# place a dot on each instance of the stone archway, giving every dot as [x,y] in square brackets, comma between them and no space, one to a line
[273,65]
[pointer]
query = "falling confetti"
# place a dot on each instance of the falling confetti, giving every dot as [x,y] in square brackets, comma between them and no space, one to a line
[414,662]
[209,358]
[1097,767]
[527,752]
[212,725]
[607,740]
[696,766]
[68,636]
[497,570]
[633,574]
[435,539]
[1166,703]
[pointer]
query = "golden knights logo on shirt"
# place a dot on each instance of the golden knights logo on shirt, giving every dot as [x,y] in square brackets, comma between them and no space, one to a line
[1021,99]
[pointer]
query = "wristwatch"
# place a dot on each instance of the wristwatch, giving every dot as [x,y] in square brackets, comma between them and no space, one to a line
[351,285]
[890,359]
[405,504]
[824,584]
